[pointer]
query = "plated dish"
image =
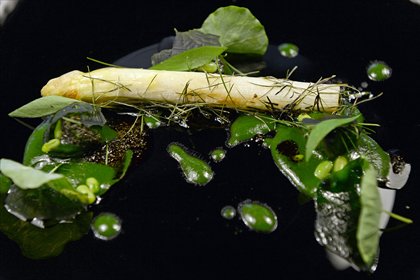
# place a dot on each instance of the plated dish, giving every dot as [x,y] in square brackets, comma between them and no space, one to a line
[296,140]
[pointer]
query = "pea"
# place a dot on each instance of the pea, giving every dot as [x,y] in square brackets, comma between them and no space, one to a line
[228,212]
[210,67]
[93,184]
[323,169]
[85,190]
[339,163]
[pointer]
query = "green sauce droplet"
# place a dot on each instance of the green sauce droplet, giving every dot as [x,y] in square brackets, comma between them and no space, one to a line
[152,122]
[288,50]
[257,216]
[218,154]
[228,212]
[378,71]
[196,170]
[106,226]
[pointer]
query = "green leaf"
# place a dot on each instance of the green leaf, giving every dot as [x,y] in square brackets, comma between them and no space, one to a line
[126,164]
[368,233]
[321,130]
[65,187]
[245,127]
[78,172]
[107,133]
[5,184]
[33,147]
[287,148]
[42,106]
[44,203]
[190,59]
[184,41]
[373,152]
[239,30]
[42,243]
[26,177]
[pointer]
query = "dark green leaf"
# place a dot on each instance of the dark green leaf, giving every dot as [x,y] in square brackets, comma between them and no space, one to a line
[90,115]
[43,203]
[184,41]
[34,143]
[5,184]
[190,59]
[41,243]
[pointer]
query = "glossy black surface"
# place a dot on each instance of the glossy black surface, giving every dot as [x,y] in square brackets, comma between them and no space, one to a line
[172,229]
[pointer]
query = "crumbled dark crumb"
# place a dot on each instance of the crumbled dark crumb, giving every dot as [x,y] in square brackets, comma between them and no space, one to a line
[131,136]
[78,134]
[398,163]
[288,148]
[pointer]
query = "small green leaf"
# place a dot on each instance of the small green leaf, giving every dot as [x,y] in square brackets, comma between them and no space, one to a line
[368,233]
[190,59]
[42,106]
[374,153]
[26,177]
[239,30]
[321,130]
[245,127]
[33,147]
[126,164]
[107,133]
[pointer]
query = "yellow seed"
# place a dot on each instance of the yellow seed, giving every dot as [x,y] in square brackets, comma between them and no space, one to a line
[303,116]
[298,157]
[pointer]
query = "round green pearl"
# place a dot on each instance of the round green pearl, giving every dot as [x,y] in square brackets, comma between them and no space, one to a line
[379,71]
[288,50]
[228,212]
[106,226]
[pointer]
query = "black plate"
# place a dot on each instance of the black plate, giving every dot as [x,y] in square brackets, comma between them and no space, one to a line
[174,229]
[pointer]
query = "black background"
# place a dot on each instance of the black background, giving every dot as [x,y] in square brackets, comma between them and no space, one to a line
[172,229]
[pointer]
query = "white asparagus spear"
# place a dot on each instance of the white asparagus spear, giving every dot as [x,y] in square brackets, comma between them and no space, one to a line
[135,85]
